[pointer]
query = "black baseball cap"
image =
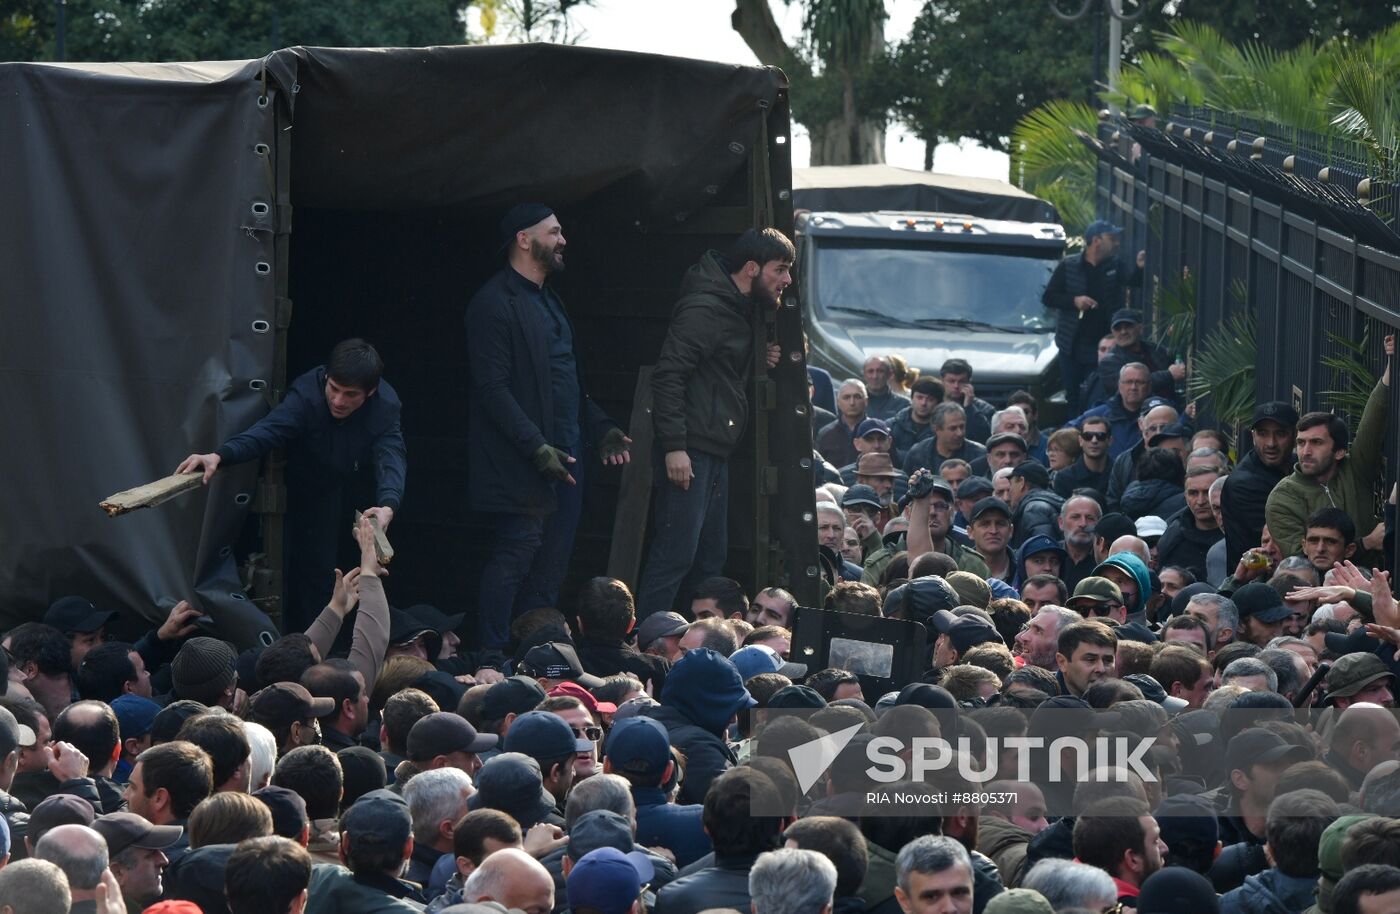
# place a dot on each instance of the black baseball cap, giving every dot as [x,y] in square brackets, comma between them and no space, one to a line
[378,818]
[288,810]
[1004,437]
[1174,430]
[1275,411]
[557,660]
[444,732]
[1126,316]
[861,495]
[965,631]
[1257,746]
[513,695]
[284,703]
[55,810]
[435,618]
[1033,472]
[989,504]
[974,487]
[1262,602]
[126,829]
[541,735]
[76,614]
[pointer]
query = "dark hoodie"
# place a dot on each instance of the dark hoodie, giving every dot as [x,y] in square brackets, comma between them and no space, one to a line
[1037,514]
[1152,498]
[1037,543]
[702,694]
[1185,544]
[698,387]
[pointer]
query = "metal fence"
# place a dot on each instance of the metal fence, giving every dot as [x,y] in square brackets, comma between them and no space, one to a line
[1263,230]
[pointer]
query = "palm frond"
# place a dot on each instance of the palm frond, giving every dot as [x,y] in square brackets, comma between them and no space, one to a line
[1223,370]
[1053,163]
[1351,367]
[1176,315]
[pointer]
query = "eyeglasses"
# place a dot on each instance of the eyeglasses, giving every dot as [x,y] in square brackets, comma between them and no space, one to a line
[1094,436]
[591,733]
[1103,609]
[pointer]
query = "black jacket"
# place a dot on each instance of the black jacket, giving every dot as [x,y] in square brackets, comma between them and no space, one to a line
[724,885]
[1242,503]
[1152,497]
[1185,544]
[1104,283]
[511,403]
[1079,476]
[32,787]
[907,433]
[1157,360]
[925,455]
[323,450]
[886,405]
[1037,513]
[699,388]
[707,755]
[603,658]
[1121,474]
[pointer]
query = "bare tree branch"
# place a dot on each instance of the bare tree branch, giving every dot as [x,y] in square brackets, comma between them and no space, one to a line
[753,20]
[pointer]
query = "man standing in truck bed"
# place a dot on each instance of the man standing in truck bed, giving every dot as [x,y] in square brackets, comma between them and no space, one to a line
[700,405]
[335,419]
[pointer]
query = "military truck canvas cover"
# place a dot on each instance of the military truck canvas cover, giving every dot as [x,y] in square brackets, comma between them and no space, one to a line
[144,219]
[869,188]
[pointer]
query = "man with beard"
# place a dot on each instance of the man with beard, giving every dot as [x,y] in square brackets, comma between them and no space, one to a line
[1329,473]
[1078,516]
[700,407]
[1038,642]
[1247,488]
[531,423]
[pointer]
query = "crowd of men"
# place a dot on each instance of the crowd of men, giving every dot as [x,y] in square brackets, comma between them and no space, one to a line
[621,755]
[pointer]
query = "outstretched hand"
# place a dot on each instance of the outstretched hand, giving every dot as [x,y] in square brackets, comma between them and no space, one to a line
[345,594]
[369,559]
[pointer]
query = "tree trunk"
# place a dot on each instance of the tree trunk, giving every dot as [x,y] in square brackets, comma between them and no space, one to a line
[848,140]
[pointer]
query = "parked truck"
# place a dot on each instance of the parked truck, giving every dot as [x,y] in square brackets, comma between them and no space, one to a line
[930,267]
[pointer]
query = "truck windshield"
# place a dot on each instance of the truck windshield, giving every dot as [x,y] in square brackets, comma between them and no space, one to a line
[994,289]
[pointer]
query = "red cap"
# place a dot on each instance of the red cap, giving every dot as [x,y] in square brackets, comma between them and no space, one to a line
[574,690]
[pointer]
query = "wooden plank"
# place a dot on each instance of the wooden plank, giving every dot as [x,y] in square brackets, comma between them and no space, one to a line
[382,550]
[152,493]
[634,495]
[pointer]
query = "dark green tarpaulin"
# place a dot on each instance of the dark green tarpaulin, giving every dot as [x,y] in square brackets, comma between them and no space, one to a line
[139,266]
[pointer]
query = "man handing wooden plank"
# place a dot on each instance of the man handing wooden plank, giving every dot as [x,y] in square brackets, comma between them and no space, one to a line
[336,419]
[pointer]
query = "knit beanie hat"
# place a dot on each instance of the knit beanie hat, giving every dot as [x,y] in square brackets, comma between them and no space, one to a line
[203,669]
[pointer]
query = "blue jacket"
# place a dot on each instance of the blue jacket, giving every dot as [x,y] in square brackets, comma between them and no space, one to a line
[676,828]
[323,450]
[1121,423]
[1270,892]
[511,403]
